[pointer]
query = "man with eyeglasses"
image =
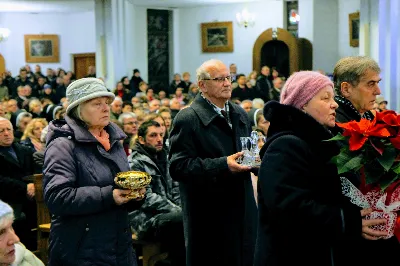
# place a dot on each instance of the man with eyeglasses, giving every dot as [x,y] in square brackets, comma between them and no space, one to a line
[130,125]
[216,192]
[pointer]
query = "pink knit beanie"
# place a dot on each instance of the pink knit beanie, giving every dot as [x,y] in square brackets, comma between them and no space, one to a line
[302,86]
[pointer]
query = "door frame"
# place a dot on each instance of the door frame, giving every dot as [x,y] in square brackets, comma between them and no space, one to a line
[282,35]
[74,56]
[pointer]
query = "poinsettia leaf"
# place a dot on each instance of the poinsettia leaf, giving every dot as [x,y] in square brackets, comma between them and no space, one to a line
[378,145]
[387,158]
[350,165]
[373,171]
[396,168]
[337,137]
[387,180]
[344,156]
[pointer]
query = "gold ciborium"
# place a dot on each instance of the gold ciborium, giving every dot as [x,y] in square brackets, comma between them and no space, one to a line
[133,180]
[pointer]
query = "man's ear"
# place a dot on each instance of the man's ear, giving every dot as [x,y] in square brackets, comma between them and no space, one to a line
[345,89]
[141,140]
[202,86]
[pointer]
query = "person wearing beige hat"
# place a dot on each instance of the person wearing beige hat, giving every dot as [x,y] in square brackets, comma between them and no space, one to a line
[84,154]
[303,217]
[12,251]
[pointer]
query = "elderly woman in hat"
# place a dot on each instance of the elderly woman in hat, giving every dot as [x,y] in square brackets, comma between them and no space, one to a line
[13,252]
[303,217]
[83,155]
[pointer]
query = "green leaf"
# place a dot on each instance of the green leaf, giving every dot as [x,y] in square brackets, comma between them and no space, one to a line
[396,169]
[387,158]
[352,164]
[337,137]
[384,182]
[373,172]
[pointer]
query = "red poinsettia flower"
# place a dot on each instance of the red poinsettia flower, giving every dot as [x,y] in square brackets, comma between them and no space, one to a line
[392,119]
[359,132]
[389,117]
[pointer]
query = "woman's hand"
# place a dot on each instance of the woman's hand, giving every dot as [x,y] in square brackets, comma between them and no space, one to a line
[366,231]
[142,193]
[120,195]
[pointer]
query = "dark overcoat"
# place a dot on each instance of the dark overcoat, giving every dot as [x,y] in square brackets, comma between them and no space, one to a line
[219,207]
[346,112]
[303,217]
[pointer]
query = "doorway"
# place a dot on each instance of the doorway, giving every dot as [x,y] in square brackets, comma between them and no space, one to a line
[82,63]
[275,54]
[281,35]
[2,65]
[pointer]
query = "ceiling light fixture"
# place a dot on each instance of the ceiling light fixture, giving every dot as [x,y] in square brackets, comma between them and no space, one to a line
[245,18]
[4,33]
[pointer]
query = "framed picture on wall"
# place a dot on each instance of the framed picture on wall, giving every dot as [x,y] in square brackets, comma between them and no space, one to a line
[354,28]
[217,37]
[41,48]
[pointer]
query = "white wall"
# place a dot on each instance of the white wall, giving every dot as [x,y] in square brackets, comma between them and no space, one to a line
[325,54]
[345,7]
[319,24]
[306,24]
[268,14]
[76,33]
[140,45]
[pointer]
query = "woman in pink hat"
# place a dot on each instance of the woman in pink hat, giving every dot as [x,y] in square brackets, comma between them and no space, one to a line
[303,217]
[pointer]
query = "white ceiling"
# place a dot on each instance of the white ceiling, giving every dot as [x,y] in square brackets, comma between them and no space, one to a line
[189,3]
[39,6]
[86,5]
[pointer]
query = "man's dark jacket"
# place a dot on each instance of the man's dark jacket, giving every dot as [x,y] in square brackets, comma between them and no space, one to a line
[219,208]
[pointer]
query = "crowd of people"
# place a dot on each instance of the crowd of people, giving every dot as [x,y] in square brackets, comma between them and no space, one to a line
[202,205]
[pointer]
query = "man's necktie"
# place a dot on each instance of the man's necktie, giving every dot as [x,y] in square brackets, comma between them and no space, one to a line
[223,112]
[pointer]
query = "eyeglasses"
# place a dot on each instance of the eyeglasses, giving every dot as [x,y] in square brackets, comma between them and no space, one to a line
[221,79]
[132,123]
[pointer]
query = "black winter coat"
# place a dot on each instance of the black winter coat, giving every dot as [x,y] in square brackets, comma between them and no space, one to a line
[219,207]
[87,227]
[162,194]
[12,188]
[303,217]
[346,112]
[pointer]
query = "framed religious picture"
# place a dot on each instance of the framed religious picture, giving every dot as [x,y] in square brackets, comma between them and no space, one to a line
[354,28]
[41,48]
[217,37]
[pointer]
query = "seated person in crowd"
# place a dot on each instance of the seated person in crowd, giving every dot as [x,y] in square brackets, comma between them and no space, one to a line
[242,92]
[32,133]
[127,107]
[175,84]
[179,95]
[20,120]
[12,251]
[129,125]
[16,162]
[185,83]
[160,217]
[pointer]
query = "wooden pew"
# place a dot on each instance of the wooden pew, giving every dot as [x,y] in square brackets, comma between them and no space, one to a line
[43,220]
[151,251]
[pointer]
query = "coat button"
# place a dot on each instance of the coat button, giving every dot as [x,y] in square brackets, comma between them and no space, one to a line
[69,137]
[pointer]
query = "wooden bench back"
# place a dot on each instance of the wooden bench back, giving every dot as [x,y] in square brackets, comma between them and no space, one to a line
[43,214]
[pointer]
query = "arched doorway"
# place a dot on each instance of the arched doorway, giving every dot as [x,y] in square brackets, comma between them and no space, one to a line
[283,36]
[276,54]
[305,54]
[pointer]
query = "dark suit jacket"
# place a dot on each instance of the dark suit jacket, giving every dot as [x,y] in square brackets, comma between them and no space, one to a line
[12,187]
[219,207]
